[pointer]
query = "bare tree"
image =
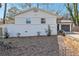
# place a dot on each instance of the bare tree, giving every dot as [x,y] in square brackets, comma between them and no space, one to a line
[76,12]
[73,10]
[12,12]
[5,9]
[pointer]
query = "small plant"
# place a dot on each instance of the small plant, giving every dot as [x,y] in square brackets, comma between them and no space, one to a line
[26,31]
[46,31]
[18,34]
[6,35]
[38,33]
[49,31]
[1,43]
[61,32]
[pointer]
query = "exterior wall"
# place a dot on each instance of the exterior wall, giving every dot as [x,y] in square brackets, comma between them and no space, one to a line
[35,17]
[35,20]
[35,26]
[29,30]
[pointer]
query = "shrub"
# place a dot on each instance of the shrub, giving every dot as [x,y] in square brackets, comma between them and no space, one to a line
[61,32]
[1,43]
[38,33]
[6,35]
[49,31]
[18,34]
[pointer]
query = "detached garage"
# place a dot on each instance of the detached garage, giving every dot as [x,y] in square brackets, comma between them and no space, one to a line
[65,25]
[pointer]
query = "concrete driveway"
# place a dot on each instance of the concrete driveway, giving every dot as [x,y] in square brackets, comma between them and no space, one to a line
[74,35]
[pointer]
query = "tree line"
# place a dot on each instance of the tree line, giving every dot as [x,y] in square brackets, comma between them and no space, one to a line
[71,8]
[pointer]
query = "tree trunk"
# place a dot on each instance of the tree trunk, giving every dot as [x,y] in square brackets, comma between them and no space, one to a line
[37,5]
[0,5]
[47,6]
[75,13]
[29,4]
[70,10]
[4,16]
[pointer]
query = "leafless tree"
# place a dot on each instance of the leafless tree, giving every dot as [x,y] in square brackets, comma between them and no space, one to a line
[5,9]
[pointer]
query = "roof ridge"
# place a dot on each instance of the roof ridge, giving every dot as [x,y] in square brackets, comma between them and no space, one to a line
[37,9]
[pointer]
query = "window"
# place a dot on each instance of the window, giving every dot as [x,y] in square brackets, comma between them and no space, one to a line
[43,21]
[28,21]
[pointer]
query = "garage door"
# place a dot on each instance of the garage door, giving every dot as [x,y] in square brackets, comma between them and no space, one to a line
[66,28]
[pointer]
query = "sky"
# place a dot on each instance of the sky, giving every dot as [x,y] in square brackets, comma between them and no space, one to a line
[52,7]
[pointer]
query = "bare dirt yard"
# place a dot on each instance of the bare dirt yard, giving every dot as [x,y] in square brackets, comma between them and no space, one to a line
[31,46]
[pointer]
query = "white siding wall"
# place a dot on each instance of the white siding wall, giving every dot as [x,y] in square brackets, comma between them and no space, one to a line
[20,25]
[36,20]
[35,17]
[31,30]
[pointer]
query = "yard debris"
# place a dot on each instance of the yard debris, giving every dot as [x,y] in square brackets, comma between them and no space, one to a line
[6,46]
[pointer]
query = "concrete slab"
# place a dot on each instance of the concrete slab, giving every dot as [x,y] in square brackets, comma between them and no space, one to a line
[73,35]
